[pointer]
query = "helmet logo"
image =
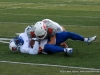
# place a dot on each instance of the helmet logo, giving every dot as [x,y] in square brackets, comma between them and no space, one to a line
[44,26]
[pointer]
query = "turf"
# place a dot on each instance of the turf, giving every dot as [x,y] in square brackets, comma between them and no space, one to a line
[77,16]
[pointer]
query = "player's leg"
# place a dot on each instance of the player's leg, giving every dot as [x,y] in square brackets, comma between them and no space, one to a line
[49,48]
[63,36]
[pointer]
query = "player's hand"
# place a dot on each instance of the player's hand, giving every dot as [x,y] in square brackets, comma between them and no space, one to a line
[40,50]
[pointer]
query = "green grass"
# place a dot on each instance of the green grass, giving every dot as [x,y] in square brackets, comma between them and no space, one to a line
[13,69]
[80,16]
[72,12]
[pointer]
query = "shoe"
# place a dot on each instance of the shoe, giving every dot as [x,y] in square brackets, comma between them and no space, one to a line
[68,51]
[91,39]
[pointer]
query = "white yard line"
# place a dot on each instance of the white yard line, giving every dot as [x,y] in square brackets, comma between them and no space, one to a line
[15,23]
[34,23]
[56,3]
[36,64]
[4,41]
[45,7]
[50,15]
[80,26]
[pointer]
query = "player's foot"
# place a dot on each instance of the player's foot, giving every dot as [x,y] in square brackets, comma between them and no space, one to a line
[68,51]
[91,39]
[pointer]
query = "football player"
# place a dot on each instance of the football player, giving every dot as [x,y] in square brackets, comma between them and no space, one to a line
[51,28]
[22,43]
[27,45]
[42,31]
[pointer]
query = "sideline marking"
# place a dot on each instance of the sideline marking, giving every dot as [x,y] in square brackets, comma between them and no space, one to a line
[49,65]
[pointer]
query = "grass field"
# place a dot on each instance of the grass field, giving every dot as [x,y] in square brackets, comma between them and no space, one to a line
[80,16]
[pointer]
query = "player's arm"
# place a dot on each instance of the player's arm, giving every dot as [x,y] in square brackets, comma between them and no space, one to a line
[52,34]
[29,50]
[35,48]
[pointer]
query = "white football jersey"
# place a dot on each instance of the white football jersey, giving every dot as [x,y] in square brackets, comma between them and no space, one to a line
[49,23]
[25,48]
[57,28]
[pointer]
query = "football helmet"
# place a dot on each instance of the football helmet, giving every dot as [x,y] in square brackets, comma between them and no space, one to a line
[15,43]
[27,28]
[40,30]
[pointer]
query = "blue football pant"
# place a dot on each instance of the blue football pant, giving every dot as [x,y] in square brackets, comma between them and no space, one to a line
[62,37]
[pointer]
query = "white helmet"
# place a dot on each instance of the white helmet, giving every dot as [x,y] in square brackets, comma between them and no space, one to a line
[27,28]
[16,43]
[13,47]
[40,30]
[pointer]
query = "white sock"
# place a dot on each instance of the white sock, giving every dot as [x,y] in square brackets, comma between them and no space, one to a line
[85,39]
[64,50]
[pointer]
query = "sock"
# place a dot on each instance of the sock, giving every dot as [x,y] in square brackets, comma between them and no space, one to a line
[64,50]
[85,39]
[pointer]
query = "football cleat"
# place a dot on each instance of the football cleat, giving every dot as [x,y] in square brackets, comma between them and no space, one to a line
[91,39]
[68,51]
